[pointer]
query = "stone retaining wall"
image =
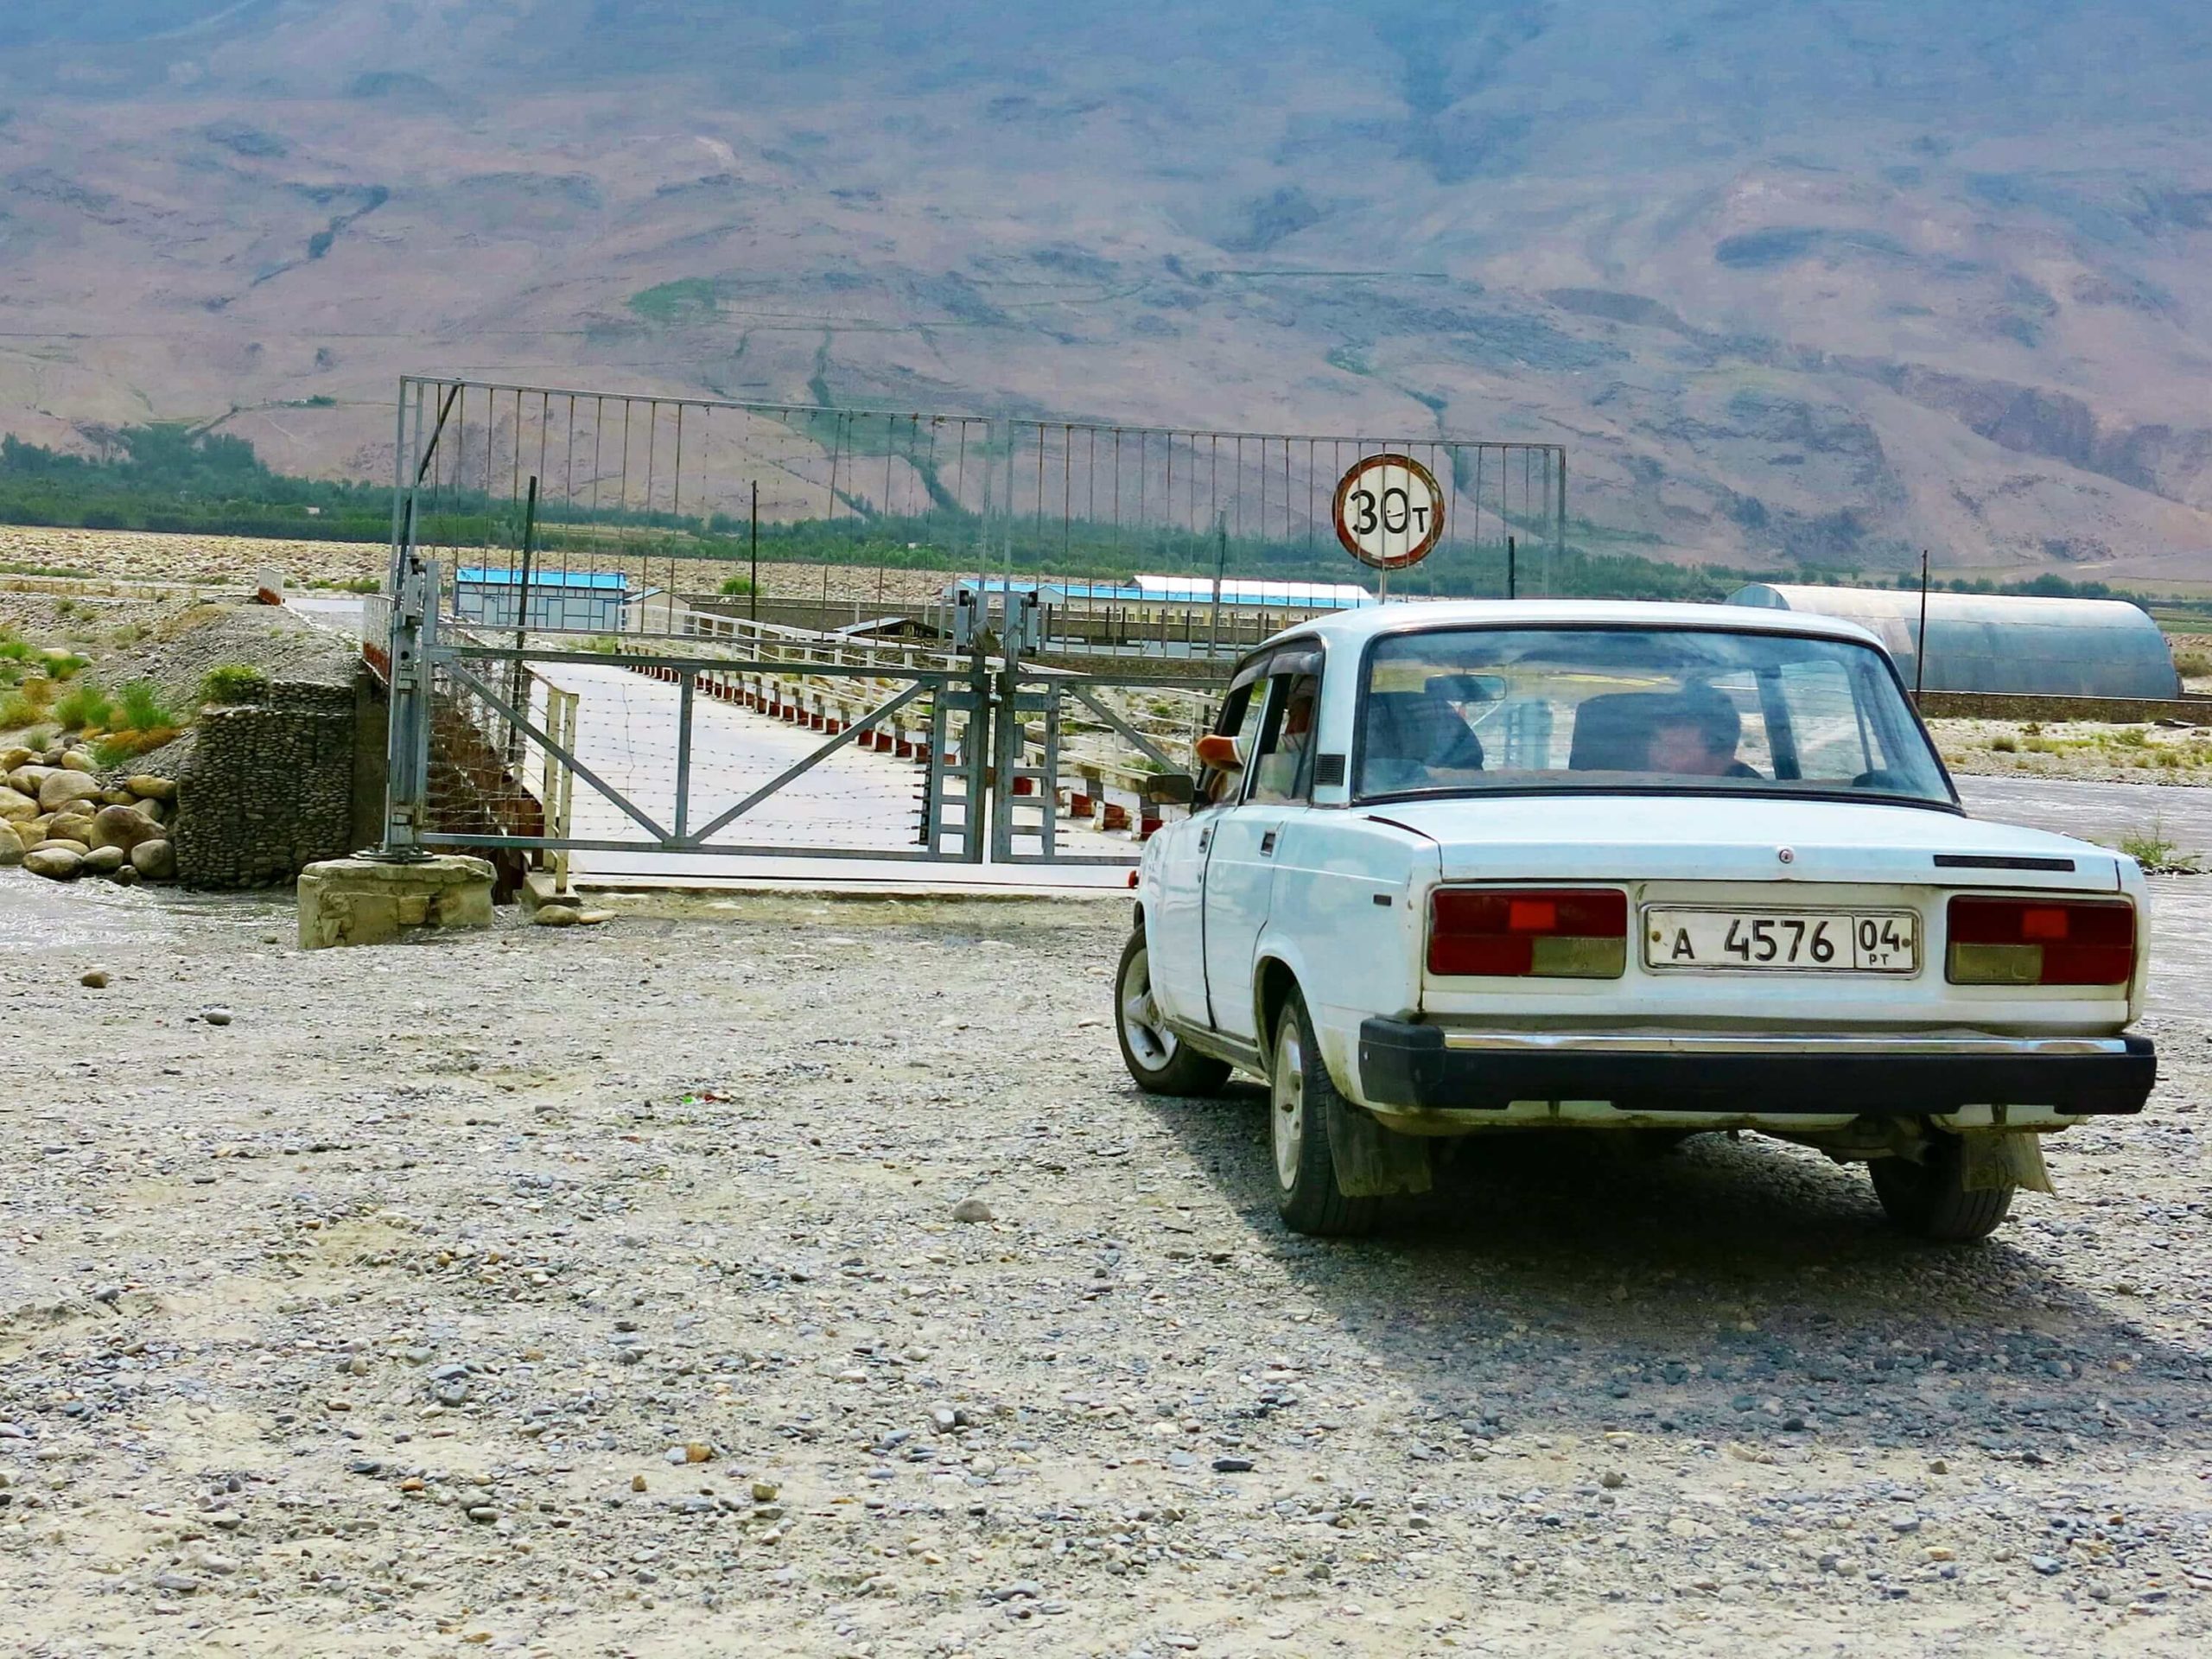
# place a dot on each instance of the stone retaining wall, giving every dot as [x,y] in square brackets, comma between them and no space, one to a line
[2115,711]
[269,790]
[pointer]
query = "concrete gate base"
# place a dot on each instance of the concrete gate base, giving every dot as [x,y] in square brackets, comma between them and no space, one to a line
[359,901]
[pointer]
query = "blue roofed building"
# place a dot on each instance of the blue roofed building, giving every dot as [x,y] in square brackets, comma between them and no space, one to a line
[588,601]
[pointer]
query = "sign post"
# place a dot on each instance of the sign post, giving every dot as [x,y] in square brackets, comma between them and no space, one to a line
[1390,513]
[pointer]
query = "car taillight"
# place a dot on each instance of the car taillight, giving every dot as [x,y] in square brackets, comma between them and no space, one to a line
[2042,942]
[1544,934]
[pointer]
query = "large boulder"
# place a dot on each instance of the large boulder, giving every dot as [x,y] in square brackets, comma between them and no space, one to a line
[155,860]
[16,755]
[76,848]
[62,787]
[71,826]
[78,760]
[28,776]
[123,827]
[106,860]
[147,787]
[14,805]
[11,848]
[54,863]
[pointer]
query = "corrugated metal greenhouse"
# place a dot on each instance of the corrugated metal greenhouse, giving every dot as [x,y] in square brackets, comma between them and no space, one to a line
[2001,643]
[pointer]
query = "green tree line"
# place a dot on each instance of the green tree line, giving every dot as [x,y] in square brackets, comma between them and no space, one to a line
[171,477]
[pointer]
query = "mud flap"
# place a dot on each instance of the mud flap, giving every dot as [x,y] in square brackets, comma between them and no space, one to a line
[1989,1163]
[1372,1162]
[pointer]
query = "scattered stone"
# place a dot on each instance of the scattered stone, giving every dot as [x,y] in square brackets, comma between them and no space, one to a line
[216,1016]
[93,979]
[637,1483]
[554,916]
[593,918]
[104,860]
[971,1209]
[1232,1465]
[155,860]
[764,1492]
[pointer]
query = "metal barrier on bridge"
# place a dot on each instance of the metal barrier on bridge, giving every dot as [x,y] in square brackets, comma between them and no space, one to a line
[579,662]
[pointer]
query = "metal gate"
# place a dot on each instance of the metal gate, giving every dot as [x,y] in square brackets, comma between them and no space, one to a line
[1031,615]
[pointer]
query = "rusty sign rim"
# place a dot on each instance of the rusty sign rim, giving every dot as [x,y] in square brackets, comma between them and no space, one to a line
[1413,554]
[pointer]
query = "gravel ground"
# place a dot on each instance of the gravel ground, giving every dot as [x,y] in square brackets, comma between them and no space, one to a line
[600,1291]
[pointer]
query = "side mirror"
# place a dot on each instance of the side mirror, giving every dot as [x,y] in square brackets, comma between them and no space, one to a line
[1171,789]
[1218,751]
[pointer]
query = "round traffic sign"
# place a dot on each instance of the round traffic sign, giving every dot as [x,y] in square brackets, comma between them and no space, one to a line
[1389,511]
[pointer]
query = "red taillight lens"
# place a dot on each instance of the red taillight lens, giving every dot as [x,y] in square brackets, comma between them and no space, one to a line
[2042,942]
[1572,933]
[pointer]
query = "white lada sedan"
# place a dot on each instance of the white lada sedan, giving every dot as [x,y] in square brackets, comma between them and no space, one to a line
[1470,868]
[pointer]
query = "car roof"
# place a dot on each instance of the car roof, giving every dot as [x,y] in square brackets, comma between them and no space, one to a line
[1355,628]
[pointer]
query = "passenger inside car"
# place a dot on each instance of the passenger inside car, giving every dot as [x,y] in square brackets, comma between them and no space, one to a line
[1690,734]
[1697,738]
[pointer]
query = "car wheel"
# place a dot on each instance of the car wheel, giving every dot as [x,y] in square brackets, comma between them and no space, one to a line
[1302,1104]
[1929,1199]
[1162,1062]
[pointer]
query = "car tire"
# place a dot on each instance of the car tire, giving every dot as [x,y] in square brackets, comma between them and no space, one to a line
[1162,1062]
[1929,1199]
[1302,1105]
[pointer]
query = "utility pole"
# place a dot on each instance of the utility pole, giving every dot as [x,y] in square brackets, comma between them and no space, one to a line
[756,552]
[1220,568]
[1920,646]
[515,683]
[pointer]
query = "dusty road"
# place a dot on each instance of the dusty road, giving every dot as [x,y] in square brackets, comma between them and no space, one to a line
[383,1319]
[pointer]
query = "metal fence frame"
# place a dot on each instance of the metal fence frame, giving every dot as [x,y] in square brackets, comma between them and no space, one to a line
[987,683]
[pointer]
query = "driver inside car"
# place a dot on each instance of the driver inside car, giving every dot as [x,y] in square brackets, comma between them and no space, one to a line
[1277,779]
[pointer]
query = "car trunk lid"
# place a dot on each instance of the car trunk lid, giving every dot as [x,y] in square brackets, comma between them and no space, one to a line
[1572,836]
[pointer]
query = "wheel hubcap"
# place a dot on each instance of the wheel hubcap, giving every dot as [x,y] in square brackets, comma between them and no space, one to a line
[1149,1037]
[1287,1115]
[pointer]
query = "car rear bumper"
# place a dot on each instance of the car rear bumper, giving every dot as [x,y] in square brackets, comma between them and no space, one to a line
[1422,1067]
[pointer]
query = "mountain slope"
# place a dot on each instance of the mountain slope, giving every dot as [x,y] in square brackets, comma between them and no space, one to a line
[1793,281]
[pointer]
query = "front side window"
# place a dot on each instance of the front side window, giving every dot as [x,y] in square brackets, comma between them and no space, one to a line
[1240,718]
[1472,709]
[1284,770]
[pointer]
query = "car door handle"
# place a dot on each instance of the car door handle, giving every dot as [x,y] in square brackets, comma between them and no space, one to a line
[1268,844]
[1206,839]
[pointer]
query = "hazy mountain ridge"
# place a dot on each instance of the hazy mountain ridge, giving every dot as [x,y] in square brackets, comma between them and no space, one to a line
[1816,280]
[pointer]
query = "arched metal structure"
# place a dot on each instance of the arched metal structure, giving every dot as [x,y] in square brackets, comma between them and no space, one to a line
[1999,643]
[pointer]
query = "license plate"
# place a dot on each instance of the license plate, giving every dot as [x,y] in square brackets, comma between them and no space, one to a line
[1789,941]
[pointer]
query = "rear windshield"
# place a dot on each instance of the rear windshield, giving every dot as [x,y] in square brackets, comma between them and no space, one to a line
[1463,711]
